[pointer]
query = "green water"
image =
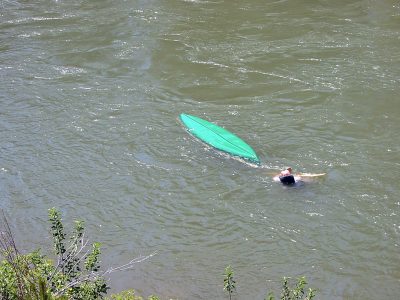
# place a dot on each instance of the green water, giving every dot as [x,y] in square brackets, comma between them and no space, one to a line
[90,97]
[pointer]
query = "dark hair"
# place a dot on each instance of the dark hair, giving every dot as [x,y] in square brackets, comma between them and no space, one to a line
[287,179]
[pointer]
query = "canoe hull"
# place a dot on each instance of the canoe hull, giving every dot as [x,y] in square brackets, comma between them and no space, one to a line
[219,137]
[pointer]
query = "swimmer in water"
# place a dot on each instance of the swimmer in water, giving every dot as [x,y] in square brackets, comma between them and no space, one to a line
[286,177]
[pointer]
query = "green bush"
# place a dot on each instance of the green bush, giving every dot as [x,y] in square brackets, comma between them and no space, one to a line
[75,274]
[288,293]
[294,293]
[229,282]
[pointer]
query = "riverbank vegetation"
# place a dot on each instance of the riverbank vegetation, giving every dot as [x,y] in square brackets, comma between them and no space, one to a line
[296,292]
[75,273]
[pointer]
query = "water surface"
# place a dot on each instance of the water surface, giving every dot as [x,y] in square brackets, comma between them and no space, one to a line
[90,96]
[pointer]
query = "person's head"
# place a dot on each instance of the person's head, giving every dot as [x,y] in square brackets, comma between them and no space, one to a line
[287,179]
[289,169]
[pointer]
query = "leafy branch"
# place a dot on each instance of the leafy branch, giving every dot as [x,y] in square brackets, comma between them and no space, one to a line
[75,275]
[294,293]
[229,282]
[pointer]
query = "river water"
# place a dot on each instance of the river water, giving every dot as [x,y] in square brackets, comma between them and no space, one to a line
[90,97]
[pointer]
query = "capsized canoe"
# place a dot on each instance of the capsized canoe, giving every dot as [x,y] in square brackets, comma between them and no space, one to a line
[219,137]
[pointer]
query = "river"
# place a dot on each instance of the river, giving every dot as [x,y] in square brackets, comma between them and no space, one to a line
[90,96]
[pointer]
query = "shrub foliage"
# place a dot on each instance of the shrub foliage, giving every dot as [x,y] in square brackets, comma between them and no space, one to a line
[74,274]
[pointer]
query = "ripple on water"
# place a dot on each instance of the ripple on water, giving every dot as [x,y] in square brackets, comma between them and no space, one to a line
[90,96]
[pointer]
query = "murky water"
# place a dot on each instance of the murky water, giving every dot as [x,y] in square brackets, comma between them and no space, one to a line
[90,95]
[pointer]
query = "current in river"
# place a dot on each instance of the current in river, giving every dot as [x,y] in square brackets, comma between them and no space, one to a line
[90,96]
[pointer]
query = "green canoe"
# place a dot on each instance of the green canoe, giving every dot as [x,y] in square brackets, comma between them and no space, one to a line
[219,137]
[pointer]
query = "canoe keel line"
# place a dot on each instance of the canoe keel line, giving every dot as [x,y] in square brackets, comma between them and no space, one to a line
[219,137]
